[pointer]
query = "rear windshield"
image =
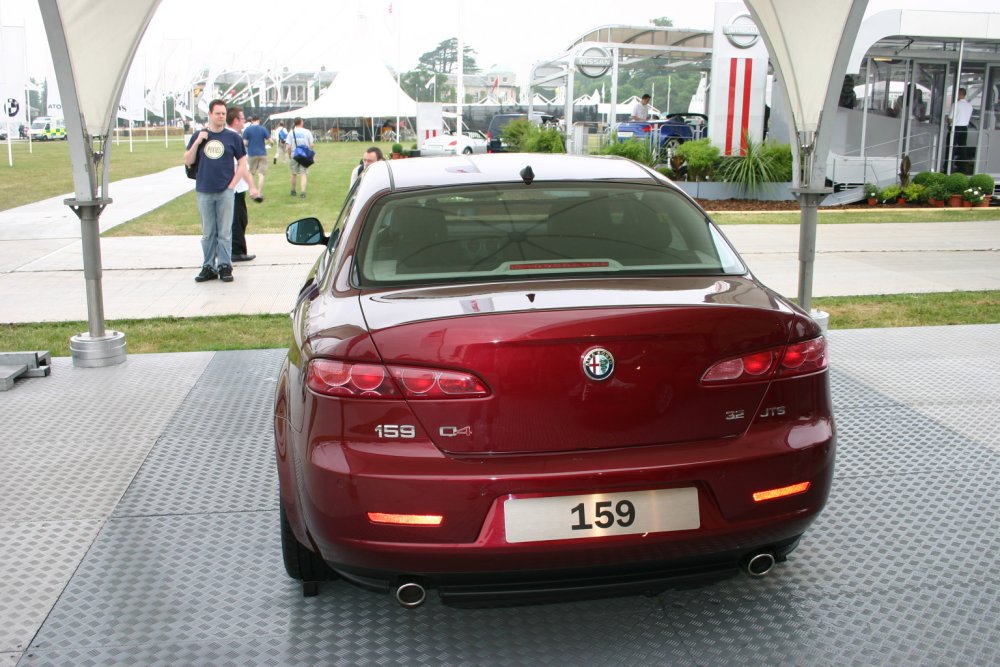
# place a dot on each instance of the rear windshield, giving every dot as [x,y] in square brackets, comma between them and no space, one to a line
[513,232]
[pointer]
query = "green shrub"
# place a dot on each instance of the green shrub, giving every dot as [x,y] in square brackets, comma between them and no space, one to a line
[984,182]
[701,158]
[543,140]
[891,193]
[523,136]
[514,133]
[633,149]
[666,171]
[750,170]
[781,155]
[915,193]
[956,183]
[923,178]
[871,191]
[397,148]
[937,190]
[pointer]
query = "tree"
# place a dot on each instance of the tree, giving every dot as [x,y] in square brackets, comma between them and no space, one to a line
[663,22]
[444,58]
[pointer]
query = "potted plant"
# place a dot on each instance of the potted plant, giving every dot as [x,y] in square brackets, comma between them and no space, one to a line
[986,185]
[956,183]
[871,193]
[974,197]
[891,194]
[914,193]
[937,193]
[397,151]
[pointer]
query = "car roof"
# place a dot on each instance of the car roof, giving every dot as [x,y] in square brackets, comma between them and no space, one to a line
[502,167]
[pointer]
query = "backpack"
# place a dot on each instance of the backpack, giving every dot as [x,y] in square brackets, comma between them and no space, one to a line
[192,169]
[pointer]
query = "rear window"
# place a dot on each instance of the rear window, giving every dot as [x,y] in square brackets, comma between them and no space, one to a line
[513,232]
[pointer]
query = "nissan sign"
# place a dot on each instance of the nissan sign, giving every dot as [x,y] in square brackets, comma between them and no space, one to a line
[594,62]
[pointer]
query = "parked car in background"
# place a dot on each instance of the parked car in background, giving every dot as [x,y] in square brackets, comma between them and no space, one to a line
[516,376]
[668,132]
[447,143]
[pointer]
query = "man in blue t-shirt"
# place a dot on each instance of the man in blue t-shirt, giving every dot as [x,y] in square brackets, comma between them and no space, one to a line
[222,161]
[256,136]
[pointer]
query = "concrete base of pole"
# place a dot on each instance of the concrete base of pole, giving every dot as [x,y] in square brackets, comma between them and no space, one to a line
[93,352]
[822,318]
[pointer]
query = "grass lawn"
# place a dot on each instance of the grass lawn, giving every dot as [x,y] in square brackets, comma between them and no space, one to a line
[45,171]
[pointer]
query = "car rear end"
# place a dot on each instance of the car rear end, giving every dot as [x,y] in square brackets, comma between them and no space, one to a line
[567,386]
[494,133]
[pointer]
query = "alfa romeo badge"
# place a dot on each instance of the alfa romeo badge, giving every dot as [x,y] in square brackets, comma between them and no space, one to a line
[598,363]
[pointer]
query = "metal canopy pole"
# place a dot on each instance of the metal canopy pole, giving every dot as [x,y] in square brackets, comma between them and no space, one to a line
[98,347]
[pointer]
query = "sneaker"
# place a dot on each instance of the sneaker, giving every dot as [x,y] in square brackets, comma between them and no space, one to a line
[243,258]
[302,196]
[275,161]
[207,273]
[226,273]
[259,198]
[292,193]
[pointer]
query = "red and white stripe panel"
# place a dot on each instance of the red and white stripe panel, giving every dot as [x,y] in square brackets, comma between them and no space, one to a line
[738,105]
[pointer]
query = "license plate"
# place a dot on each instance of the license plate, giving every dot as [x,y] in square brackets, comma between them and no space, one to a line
[600,515]
[625,134]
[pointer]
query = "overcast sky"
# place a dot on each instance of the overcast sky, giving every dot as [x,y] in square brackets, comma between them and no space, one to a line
[512,34]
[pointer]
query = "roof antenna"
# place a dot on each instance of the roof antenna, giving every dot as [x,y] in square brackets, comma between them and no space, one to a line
[527,175]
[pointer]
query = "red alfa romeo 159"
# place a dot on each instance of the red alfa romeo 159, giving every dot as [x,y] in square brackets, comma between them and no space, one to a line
[525,375]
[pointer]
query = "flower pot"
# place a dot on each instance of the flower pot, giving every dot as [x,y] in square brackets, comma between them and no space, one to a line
[872,201]
[982,204]
[936,203]
[901,201]
[955,201]
[966,204]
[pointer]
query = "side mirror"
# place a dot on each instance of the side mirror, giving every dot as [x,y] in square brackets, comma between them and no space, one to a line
[307,231]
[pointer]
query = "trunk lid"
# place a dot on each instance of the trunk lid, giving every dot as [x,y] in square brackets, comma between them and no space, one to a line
[530,341]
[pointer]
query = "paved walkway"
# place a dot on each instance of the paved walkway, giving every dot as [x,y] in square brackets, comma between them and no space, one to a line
[41,264]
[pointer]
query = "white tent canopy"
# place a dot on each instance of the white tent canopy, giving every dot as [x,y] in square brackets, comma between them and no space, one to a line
[365,89]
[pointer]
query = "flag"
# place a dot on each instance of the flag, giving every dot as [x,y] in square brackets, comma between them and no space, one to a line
[12,74]
[496,85]
[131,106]
[431,82]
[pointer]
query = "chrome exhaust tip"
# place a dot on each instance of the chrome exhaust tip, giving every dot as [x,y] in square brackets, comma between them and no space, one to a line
[759,565]
[410,594]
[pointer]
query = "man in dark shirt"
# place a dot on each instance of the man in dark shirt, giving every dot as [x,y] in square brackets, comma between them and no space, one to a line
[222,162]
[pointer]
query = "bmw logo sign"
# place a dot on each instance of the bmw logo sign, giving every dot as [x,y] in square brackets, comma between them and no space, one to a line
[598,364]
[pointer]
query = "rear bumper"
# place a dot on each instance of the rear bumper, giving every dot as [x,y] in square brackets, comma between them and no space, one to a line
[500,588]
[340,484]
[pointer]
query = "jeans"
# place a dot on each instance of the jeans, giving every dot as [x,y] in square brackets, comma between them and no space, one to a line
[216,209]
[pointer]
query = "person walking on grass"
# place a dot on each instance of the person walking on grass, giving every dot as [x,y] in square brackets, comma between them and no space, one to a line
[256,137]
[222,161]
[298,136]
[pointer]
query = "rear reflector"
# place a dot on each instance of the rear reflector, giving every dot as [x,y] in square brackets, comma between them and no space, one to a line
[771,494]
[406,519]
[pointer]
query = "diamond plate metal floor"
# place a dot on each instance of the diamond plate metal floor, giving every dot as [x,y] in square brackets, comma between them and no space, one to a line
[139,526]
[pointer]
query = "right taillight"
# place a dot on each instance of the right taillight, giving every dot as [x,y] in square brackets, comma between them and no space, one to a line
[802,358]
[364,380]
[783,361]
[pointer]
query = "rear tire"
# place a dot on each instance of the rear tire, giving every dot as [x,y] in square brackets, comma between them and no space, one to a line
[467,151]
[301,563]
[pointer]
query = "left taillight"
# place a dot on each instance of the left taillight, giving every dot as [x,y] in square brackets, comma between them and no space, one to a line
[364,380]
[783,361]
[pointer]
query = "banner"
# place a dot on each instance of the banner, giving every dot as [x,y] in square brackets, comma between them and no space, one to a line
[131,106]
[12,76]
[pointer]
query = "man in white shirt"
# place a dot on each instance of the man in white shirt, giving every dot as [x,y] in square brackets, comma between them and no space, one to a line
[961,155]
[641,109]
